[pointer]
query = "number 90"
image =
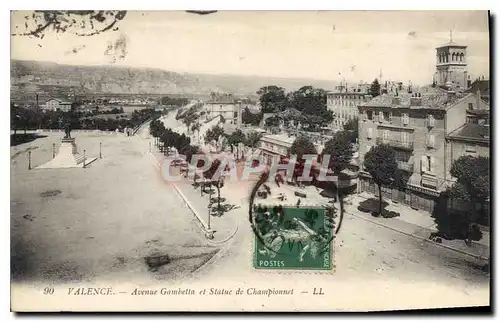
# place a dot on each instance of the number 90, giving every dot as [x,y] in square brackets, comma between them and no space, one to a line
[48,290]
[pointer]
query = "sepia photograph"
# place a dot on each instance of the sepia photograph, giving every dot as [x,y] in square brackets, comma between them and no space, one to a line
[249,161]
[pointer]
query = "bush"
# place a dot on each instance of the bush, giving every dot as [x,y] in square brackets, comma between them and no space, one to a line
[455,225]
[389,214]
[371,205]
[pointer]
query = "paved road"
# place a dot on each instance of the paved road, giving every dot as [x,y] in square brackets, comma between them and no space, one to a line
[101,222]
[365,251]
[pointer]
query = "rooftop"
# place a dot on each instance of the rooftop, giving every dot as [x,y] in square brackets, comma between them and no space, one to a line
[472,131]
[430,97]
[284,138]
[451,44]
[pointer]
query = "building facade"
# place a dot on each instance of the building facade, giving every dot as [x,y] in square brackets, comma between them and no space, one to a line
[415,125]
[274,147]
[228,107]
[343,101]
[54,104]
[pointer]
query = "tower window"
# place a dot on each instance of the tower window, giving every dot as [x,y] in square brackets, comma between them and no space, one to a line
[471,106]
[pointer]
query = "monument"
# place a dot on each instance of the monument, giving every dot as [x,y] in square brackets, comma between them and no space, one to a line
[68,155]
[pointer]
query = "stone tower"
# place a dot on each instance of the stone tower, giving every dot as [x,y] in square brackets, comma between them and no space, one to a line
[451,65]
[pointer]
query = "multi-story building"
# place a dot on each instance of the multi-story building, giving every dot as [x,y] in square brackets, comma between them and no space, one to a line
[343,101]
[483,86]
[415,125]
[54,104]
[469,139]
[274,147]
[228,107]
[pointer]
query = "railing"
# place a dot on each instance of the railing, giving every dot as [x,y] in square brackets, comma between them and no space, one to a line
[396,143]
[406,166]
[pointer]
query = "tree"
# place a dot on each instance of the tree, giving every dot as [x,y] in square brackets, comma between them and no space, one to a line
[308,100]
[189,118]
[272,99]
[235,138]
[339,149]
[252,139]
[374,88]
[196,128]
[380,163]
[248,117]
[473,183]
[189,151]
[302,145]
[272,121]
[351,129]
[213,134]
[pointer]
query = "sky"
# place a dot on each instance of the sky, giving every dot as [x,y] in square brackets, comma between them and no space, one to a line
[327,45]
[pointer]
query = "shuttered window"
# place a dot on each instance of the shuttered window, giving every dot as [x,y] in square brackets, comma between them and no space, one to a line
[432,165]
[405,118]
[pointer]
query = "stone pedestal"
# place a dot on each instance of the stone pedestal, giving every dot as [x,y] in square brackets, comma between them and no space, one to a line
[68,156]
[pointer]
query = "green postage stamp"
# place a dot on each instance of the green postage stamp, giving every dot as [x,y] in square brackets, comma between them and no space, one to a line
[293,238]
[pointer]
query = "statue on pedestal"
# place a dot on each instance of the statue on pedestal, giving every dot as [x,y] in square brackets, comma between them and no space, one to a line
[67,130]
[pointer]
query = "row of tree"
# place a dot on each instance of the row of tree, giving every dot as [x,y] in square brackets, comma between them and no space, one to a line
[166,138]
[32,119]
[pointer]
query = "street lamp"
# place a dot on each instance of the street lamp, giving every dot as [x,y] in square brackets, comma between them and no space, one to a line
[209,206]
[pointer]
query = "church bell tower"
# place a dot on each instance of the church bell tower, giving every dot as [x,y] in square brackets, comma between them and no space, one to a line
[451,65]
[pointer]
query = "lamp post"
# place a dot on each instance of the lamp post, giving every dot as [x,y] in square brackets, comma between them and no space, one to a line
[100,150]
[29,160]
[53,150]
[84,157]
[209,206]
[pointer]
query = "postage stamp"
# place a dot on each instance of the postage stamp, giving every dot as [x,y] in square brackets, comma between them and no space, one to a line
[293,238]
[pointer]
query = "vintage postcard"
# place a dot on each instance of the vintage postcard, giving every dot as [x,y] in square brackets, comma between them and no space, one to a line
[249,160]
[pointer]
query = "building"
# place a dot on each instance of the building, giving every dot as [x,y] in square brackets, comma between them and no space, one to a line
[483,86]
[274,147]
[55,104]
[343,101]
[451,65]
[469,139]
[226,106]
[416,126]
[473,140]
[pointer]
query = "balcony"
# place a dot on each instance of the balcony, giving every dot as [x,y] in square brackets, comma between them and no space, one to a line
[405,166]
[396,144]
[429,180]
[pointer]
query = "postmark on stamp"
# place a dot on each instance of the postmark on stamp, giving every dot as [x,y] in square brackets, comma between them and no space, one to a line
[289,237]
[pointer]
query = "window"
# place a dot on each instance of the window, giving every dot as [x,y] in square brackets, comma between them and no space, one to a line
[430,120]
[369,133]
[387,116]
[405,137]
[471,106]
[405,118]
[430,140]
[427,164]
[385,135]
[369,114]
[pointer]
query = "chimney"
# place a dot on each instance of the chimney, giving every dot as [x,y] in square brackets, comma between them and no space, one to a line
[415,100]
[396,100]
[451,95]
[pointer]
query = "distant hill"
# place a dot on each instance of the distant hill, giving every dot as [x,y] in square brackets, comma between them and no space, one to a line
[29,77]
